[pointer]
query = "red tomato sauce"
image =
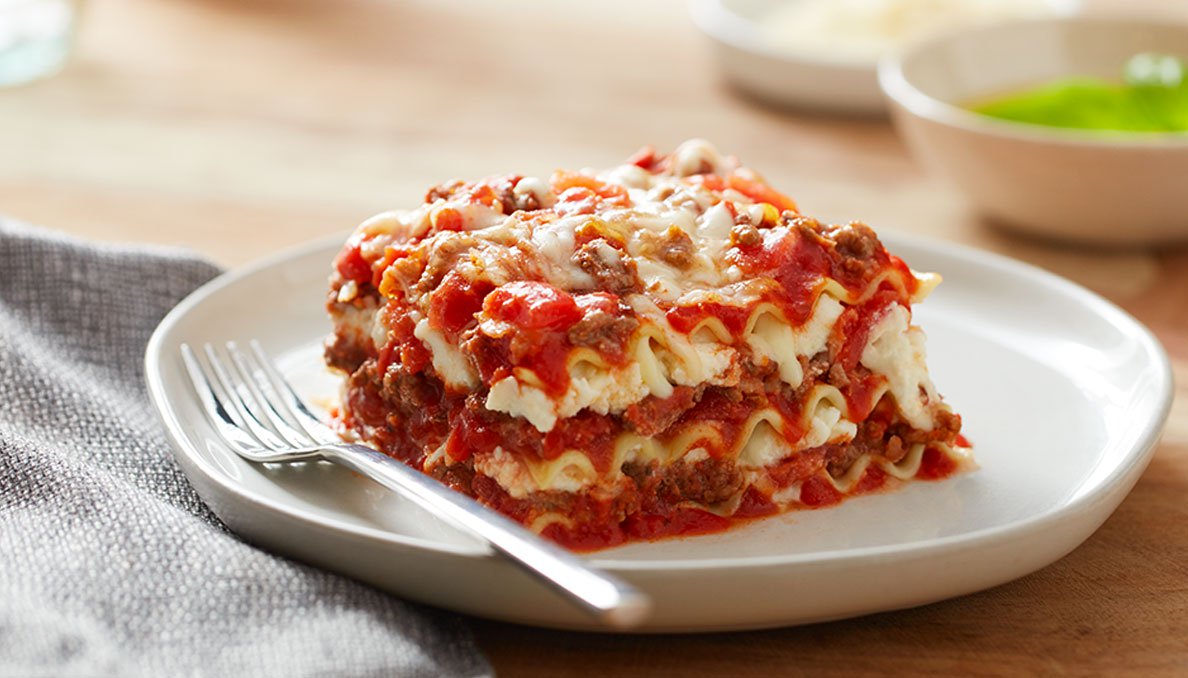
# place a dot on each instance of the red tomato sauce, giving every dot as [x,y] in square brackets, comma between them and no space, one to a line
[935,465]
[685,318]
[480,432]
[852,334]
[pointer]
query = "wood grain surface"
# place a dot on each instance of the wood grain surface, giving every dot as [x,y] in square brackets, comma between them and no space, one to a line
[238,127]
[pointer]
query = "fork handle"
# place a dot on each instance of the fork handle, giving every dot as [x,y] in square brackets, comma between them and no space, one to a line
[614,601]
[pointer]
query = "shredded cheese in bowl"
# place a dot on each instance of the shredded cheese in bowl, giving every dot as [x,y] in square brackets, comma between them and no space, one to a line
[864,30]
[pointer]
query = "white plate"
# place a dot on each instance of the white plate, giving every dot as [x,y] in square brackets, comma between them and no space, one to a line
[1062,394]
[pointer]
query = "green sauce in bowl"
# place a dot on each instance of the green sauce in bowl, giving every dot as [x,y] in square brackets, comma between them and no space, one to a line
[1152,98]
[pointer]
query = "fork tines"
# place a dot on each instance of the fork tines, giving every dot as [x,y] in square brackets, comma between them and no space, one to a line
[251,405]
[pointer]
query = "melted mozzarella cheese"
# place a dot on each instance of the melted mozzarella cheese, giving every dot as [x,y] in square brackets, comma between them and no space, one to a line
[537,188]
[696,156]
[555,243]
[713,230]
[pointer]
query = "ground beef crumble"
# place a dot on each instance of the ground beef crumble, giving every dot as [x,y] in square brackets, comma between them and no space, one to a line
[610,270]
[604,332]
[674,247]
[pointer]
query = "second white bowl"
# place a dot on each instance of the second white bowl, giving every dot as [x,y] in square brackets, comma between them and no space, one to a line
[1079,185]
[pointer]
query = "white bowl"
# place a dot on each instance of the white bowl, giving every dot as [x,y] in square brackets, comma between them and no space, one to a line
[1080,185]
[817,80]
[775,76]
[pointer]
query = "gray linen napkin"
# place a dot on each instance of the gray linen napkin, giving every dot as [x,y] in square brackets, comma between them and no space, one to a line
[109,563]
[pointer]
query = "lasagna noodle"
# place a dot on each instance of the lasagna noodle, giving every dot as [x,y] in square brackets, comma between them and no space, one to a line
[760,443]
[660,358]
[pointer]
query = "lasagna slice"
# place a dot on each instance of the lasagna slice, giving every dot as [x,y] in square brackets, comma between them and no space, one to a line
[666,347]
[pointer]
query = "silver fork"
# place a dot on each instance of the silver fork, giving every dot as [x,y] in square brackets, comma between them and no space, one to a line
[261,418]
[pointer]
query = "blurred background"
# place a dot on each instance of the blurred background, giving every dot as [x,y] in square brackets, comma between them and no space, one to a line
[240,126]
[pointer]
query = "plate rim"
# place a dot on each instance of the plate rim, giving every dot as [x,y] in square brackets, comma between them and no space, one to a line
[1128,467]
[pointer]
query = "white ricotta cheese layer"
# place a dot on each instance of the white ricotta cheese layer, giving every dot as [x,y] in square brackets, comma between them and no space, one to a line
[448,361]
[896,351]
[772,339]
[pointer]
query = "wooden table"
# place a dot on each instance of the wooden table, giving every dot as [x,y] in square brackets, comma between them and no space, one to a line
[236,127]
